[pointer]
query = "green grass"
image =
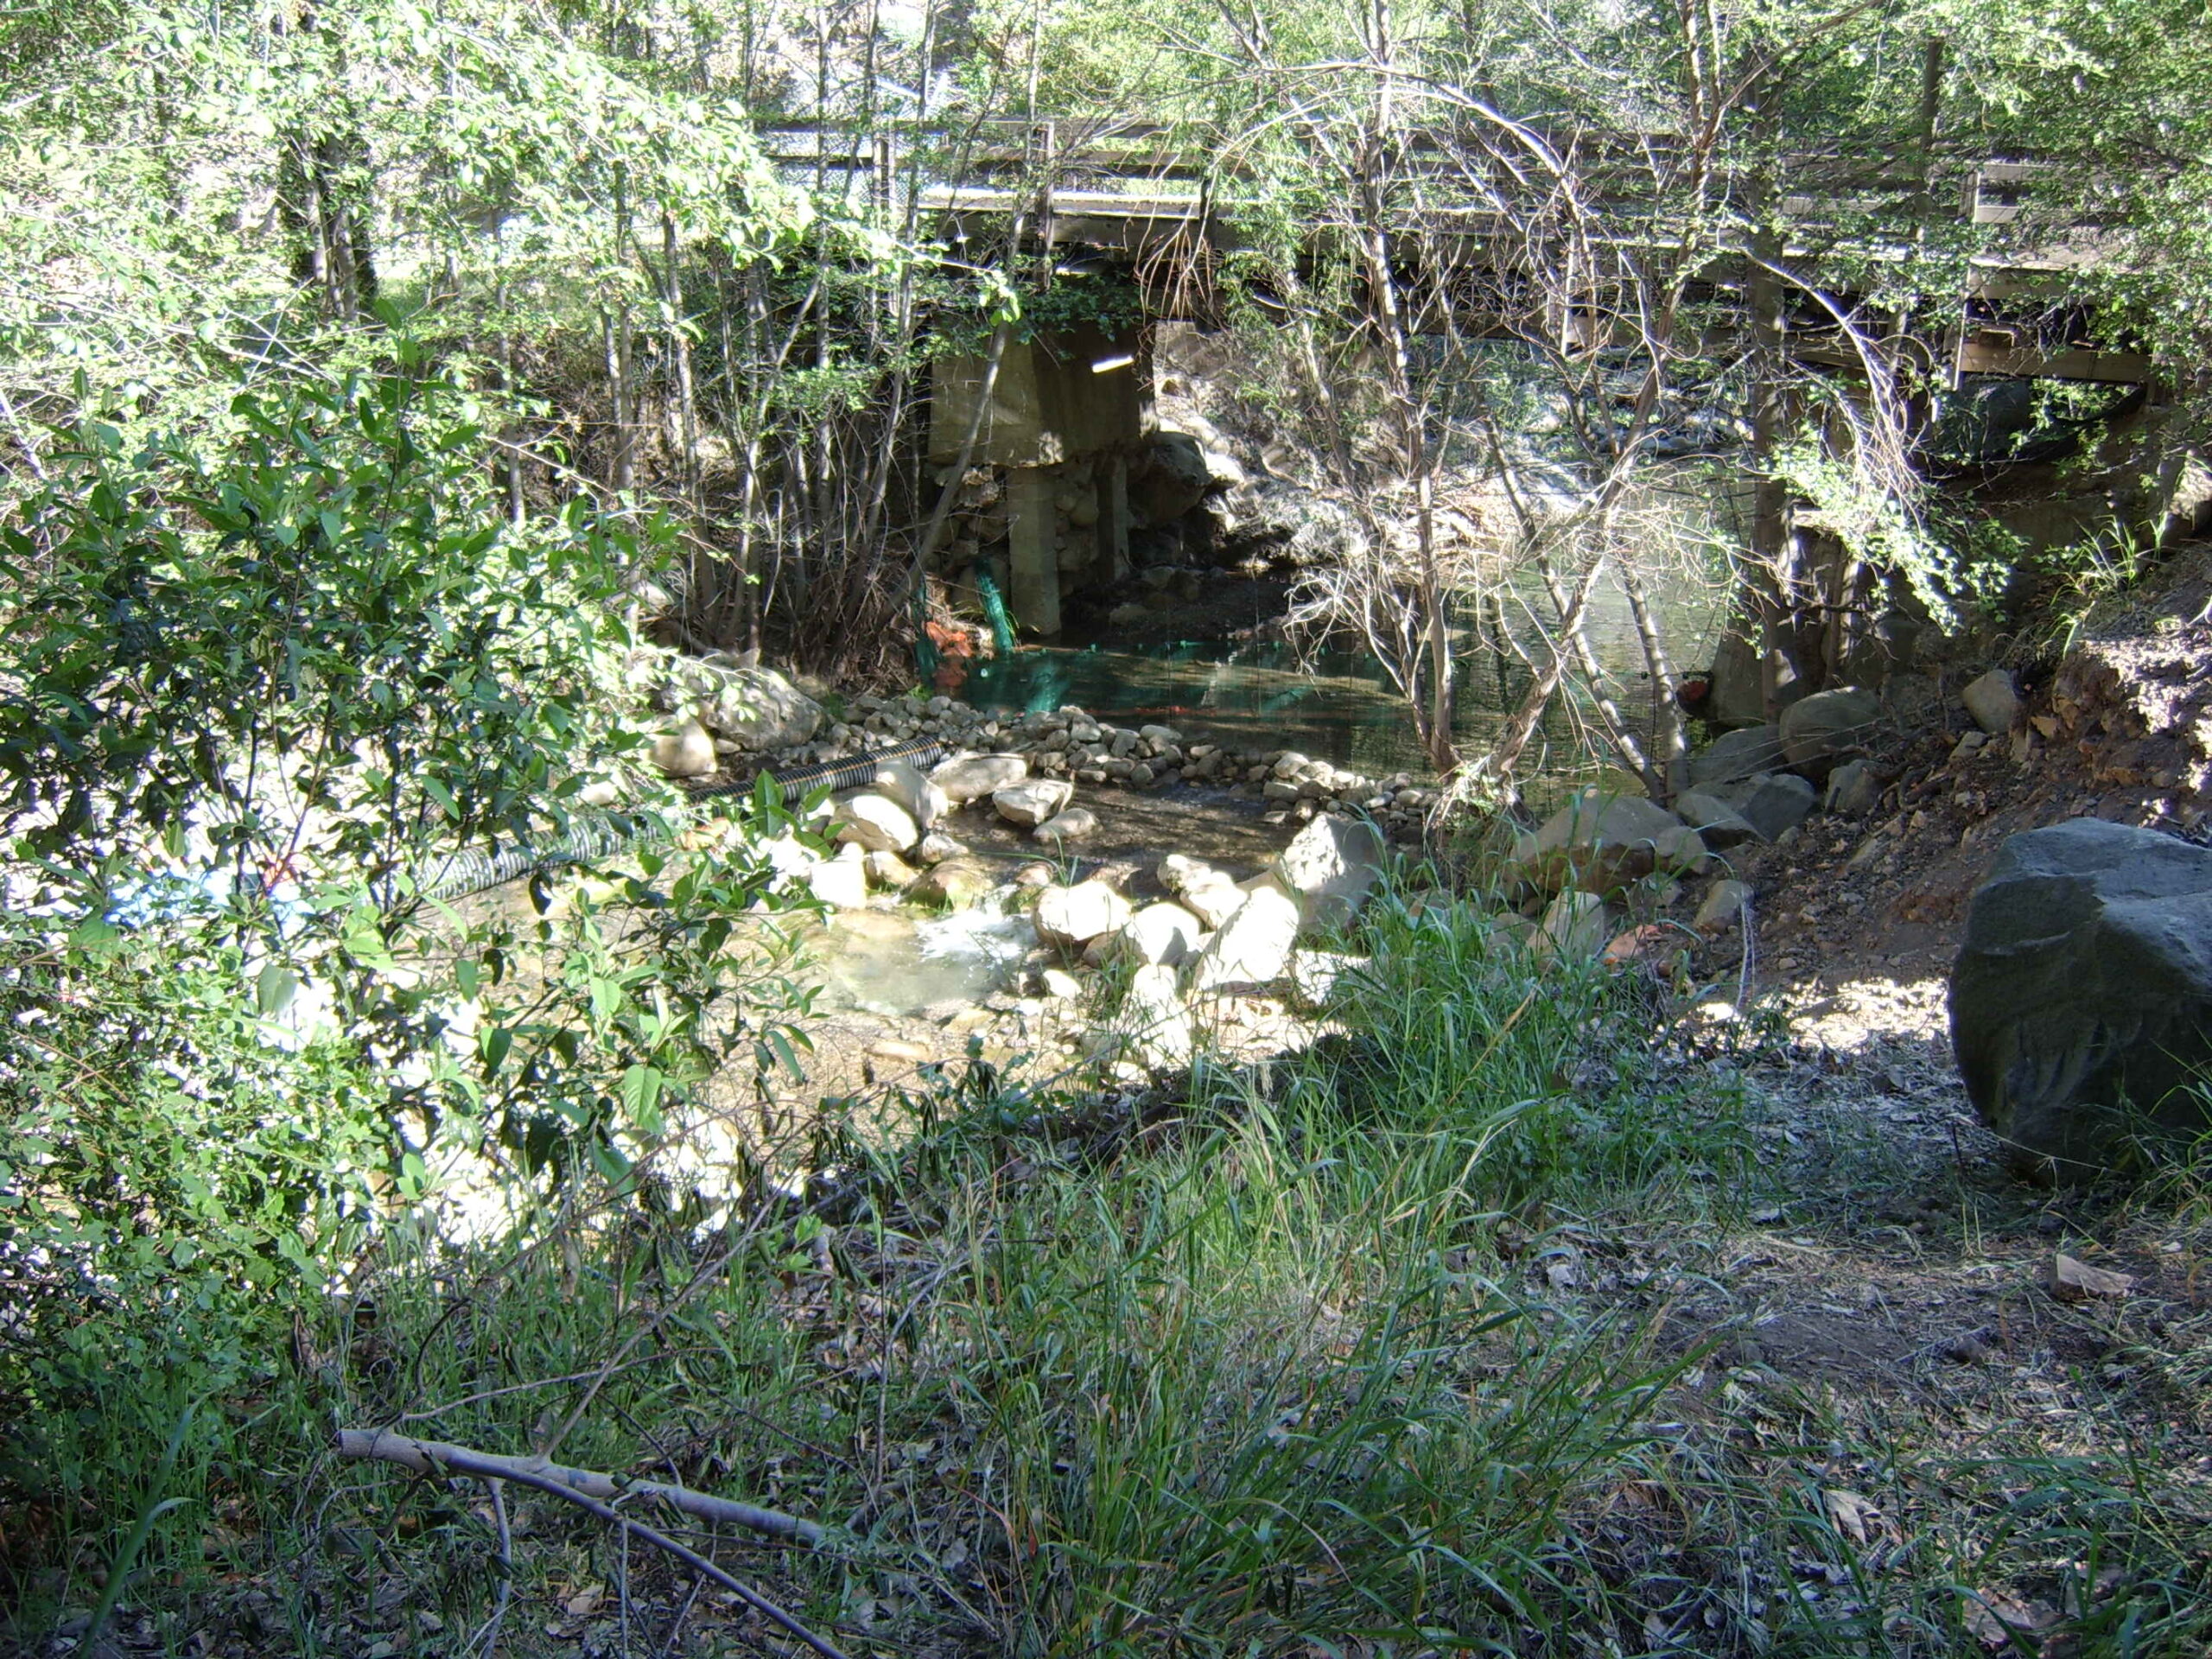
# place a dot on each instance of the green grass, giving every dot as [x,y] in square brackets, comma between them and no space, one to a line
[1268,1366]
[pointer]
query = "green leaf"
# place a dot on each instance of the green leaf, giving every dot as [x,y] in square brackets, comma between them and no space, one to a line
[274,987]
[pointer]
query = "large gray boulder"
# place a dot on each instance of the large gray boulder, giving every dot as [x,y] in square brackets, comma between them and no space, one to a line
[2083,992]
[1600,842]
[1822,729]
[1736,754]
[758,709]
[1170,477]
[969,776]
[1773,804]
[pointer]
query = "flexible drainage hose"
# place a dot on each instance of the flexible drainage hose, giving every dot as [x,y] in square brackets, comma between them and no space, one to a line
[603,834]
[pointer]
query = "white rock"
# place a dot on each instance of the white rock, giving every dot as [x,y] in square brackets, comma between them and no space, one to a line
[687,751]
[1315,974]
[875,823]
[970,777]
[1154,1018]
[1061,984]
[1076,823]
[840,883]
[924,802]
[1254,944]
[1071,917]
[1157,936]
[1330,865]
[1030,803]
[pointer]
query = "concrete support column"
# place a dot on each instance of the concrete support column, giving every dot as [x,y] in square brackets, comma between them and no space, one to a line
[1114,516]
[1035,575]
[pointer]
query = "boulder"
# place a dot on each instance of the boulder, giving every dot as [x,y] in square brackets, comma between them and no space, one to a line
[1737,754]
[970,777]
[1170,477]
[1773,804]
[874,823]
[1254,944]
[841,883]
[2082,989]
[956,883]
[924,802]
[1600,842]
[1854,788]
[1153,1019]
[1574,926]
[1030,803]
[1718,825]
[1994,702]
[1820,730]
[1071,918]
[1061,985]
[1724,906]
[1161,935]
[1315,975]
[1329,866]
[888,870]
[1076,823]
[687,751]
[758,709]
[935,848]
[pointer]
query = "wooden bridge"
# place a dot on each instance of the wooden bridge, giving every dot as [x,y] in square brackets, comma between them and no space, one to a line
[1130,194]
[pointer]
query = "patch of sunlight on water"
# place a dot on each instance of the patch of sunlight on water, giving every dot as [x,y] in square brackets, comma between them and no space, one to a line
[893,961]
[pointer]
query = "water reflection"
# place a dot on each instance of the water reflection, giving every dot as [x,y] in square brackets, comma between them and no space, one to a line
[1338,706]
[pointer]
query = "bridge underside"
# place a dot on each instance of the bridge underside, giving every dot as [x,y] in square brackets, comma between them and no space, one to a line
[1173,245]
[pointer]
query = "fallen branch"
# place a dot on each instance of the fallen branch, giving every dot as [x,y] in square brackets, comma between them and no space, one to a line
[578,1485]
[428,1457]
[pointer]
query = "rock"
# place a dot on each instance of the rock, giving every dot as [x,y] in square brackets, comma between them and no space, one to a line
[970,777]
[1724,906]
[758,709]
[874,822]
[2068,1281]
[1855,789]
[1076,823]
[1160,737]
[1170,477]
[1153,1019]
[1254,944]
[1772,804]
[1315,975]
[935,848]
[2083,991]
[1575,926]
[1071,918]
[1993,701]
[889,870]
[841,883]
[1214,900]
[1737,754]
[1600,842]
[1822,729]
[687,751]
[1030,803]
[1330,865]
[1718,825]
[925,802]
[1162,935]
[1061,984]
[956,883]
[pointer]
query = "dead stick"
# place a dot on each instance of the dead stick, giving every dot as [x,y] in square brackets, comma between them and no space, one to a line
[423,1456]
[435,1457]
